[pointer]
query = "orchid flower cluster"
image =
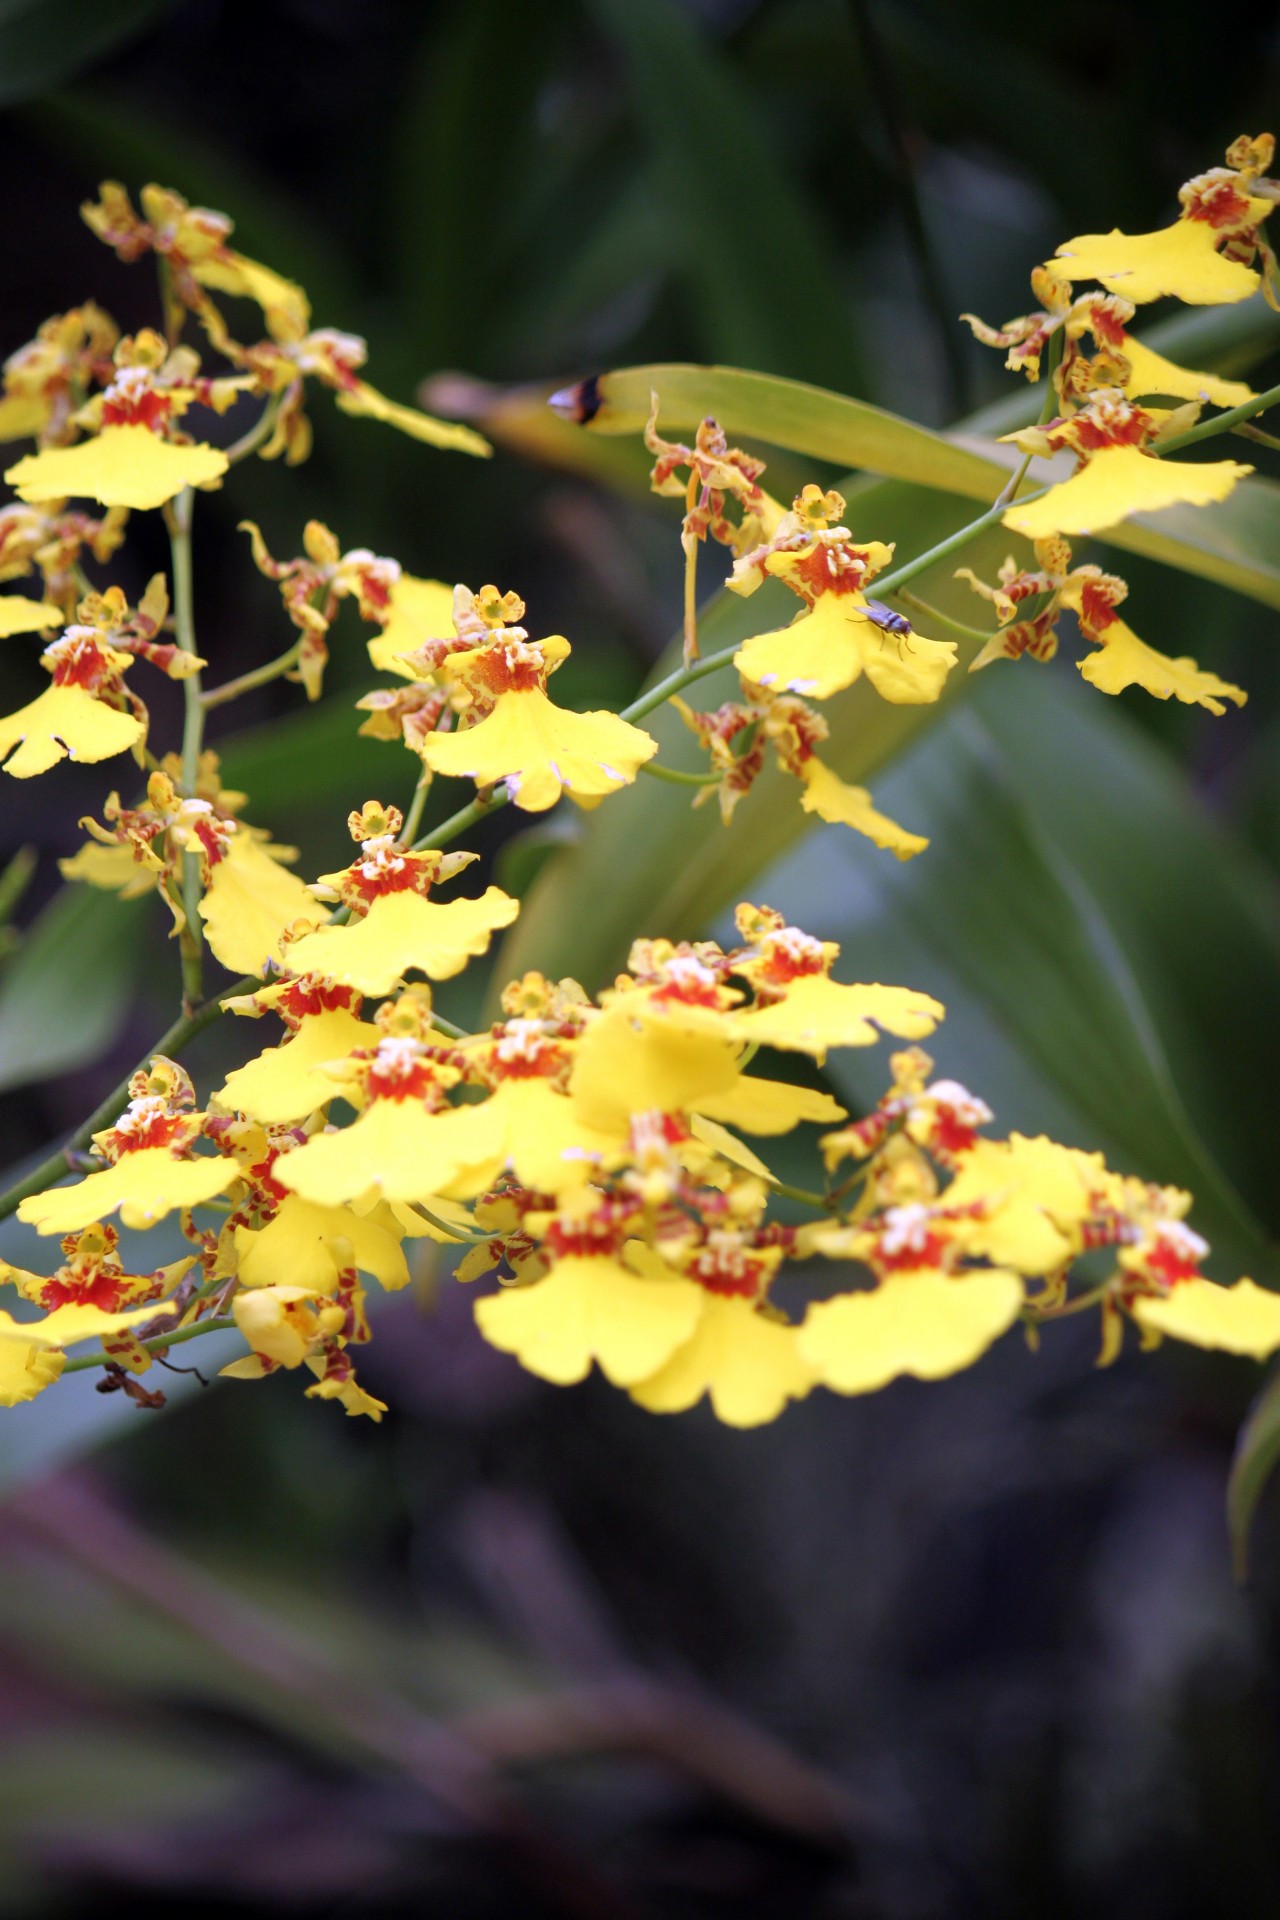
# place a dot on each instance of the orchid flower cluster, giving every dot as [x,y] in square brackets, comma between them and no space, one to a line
[598,1166]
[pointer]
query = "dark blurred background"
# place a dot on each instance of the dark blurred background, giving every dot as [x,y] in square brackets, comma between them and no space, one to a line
[963,1650]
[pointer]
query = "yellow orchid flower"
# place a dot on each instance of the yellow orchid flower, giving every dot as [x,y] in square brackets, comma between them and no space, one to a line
[398,929]
[151,1173]
[1200,258]
[1242,1319]
[251,901]
[284,1323]
[92,1275]
[416,610]
[539,749]
[318,1244]
[405,1145]
[1117,476]
[924,1322]
[835,801]
[749,1365]
[20,615]
[842,634]
[31,1351]
[807,1011]
[287,1082]
[590,1307]
[72,718]
[1120,360]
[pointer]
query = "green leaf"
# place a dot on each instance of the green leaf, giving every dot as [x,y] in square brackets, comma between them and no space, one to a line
[1235,542]
[758,261]
[1256,1455]
[1001,921]
[66,994]
[791,414]
[44,42]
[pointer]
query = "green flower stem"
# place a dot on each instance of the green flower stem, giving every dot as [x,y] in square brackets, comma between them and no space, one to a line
[677,682]
[178,517]
[802,1194]
[923,561]
[1259,438]
[679,779]
[160,1344]
[260,430]
[413,819]
[943,621]
[256,677]
[1221,423]
[195,1020]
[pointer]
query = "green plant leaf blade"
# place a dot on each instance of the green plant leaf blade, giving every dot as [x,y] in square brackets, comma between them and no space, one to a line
[66,994]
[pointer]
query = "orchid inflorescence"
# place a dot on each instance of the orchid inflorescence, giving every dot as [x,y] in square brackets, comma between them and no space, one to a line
[583,1156]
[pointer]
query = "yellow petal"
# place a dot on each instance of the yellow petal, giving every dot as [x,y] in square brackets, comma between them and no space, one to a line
[1034,1194]
[728,1146]
[67,1326]
[19,615]
[285,1083]
[284,1322]
[368,403]
[282,301]
[927,1324]
[121,467]
[23,415]
[65,723]
[114,869]
[1182,260]
[818,1012]
[540,749]
[1119,481]
[402,933]
[828,648]
[770,1106]
[1152,373]
[314,1245]
[1239,1319]
[544,1139]
[249,902]
[622,1067]
[420,610]
[1123,660]
[395,1150]
[25,1368]
[589,1307]
[750,1365]
[145,1185]
[827,795]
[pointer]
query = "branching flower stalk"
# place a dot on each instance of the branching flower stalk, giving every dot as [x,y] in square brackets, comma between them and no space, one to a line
[599,1162]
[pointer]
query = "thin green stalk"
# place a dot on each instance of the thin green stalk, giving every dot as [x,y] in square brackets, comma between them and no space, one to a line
[194,1020]
[260,430]
[459,822]
[676,682]
[799,1193]
[923,561]
[413,819]
[1221,423]
[178,516]
[1258,437]
[223,1323]
[256,677]
[943,621]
